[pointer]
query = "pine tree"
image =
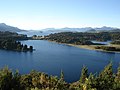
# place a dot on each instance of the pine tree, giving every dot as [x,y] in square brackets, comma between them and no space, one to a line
[62,75]
[5,79]
[31,48]
[106,78]
[117,80]
[84,74]
[24,48]
[61,84]
[91,82]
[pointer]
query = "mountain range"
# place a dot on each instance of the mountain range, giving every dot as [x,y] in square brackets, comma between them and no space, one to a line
[4,27]
[86,29]
[104,29]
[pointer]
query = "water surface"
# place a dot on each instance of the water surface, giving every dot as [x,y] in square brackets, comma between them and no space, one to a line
[51,58]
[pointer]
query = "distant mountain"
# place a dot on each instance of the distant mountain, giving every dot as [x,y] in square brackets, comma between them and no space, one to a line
[66,29]
[86,29]
[76,29]
[4,27]
[115,30]
[104,29]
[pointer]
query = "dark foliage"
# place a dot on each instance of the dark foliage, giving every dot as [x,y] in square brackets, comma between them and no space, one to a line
[117,42]
[12,35]
[82,38]
[106,80]
[9,41]
[108,48]
[10,44]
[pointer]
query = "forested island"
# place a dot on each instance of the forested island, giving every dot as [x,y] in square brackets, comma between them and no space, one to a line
[85,38]
[11,41]
[105,80]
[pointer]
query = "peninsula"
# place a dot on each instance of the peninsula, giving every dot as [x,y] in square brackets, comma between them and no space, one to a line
[84,40]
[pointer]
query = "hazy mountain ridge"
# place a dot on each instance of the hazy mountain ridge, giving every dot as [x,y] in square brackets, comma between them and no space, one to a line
[104,29]
[86,29]
[67,29]
[4,27]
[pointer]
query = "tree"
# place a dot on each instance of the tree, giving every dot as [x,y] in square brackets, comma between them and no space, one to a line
[62,75]
[19,47]
[31,48]
[84,74]
[90,82]
[106,78]
[16,81]
[24,48]
[117,80]
[5,79]
[61,84]
[8,46]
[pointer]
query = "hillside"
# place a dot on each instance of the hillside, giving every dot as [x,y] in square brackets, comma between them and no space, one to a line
[4,27]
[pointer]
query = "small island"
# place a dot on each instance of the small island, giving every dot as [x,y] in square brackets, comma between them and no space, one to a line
[11,41]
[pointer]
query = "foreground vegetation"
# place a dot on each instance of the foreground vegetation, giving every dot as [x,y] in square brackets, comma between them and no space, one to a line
[9,41]
[105,80]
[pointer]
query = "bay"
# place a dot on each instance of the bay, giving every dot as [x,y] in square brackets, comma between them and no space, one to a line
[51,58]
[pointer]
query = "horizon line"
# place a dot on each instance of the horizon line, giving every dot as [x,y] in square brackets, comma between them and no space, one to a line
[93,27]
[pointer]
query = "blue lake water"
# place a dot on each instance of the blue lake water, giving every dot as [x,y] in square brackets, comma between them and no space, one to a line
[51,58]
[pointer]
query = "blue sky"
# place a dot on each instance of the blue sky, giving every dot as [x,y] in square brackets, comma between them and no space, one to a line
[38,14]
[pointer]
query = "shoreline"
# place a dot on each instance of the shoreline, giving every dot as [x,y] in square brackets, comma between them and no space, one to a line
[92,47]
[88,47]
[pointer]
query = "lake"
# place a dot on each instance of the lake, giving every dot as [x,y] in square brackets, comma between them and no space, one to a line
[51,58]
[102,42]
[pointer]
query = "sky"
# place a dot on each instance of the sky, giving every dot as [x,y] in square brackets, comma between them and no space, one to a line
[40,14]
